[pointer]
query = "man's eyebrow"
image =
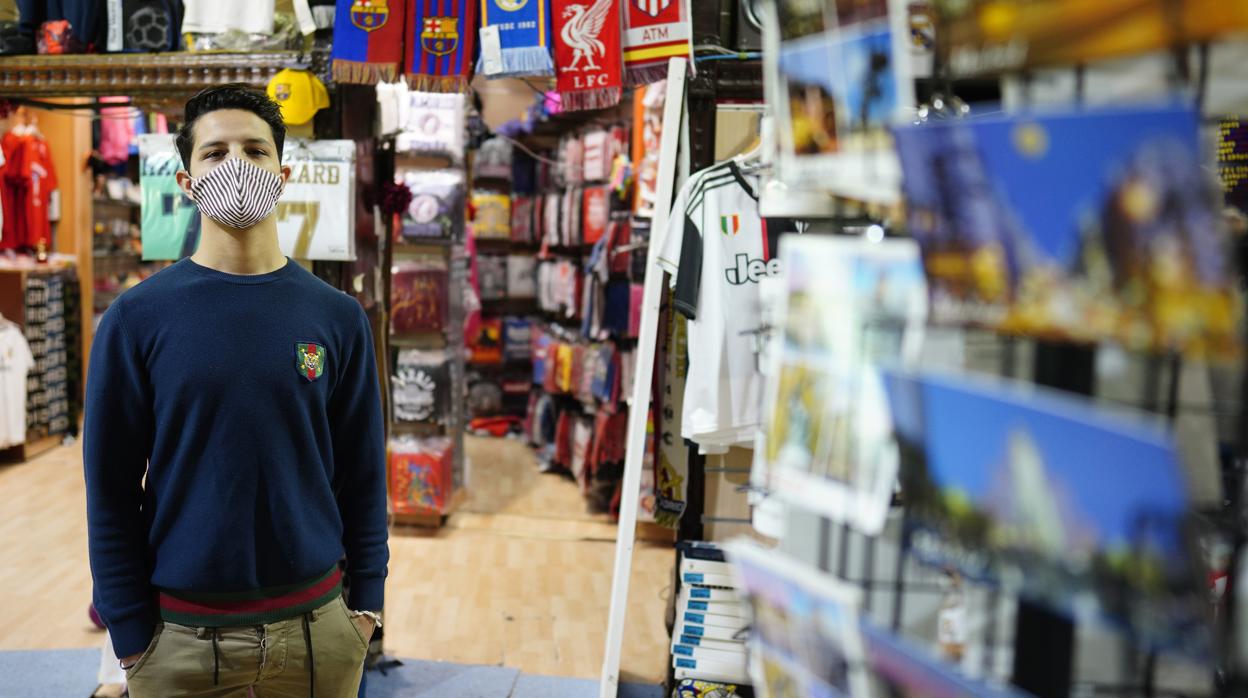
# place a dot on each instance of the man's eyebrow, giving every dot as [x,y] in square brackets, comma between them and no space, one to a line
[249,141]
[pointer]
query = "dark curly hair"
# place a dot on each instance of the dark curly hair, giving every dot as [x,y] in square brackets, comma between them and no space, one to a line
[232,96]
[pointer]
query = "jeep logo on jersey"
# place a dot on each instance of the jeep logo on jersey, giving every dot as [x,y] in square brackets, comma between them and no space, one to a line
[749,271]
[730,225]
[309,360]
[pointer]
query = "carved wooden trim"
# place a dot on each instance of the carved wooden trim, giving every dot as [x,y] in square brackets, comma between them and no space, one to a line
[135,74]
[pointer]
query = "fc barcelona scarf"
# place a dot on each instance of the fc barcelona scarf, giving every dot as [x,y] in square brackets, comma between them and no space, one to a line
[587,55]
[524,35]
[439,47]
[368,40]
[654,31]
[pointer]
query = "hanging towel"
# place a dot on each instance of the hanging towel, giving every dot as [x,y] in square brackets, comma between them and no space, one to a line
[654,31]
[368,41]
[439,50]
[524,36]
[587,56]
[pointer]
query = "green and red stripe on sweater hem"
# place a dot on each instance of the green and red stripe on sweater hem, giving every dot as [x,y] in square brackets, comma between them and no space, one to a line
[255,607]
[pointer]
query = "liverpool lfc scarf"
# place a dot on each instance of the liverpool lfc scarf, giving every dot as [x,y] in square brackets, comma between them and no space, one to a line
[654,31]
[368,40]
[438,51]
[587,54]
[524,35]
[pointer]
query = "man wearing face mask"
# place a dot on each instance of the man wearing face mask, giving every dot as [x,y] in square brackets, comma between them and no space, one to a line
[245,390]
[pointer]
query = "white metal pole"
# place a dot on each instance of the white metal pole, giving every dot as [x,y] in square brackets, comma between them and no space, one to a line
[626,533]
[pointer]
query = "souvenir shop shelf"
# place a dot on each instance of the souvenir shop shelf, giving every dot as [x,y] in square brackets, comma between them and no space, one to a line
[156,74]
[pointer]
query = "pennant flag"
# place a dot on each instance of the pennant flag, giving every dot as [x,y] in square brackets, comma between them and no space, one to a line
[588,73]
[439,47]
[368,41]
[654,31]
[524,36]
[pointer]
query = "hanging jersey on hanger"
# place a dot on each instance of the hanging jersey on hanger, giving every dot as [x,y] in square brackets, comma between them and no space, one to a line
[15,364]
[717,248]
[29,180]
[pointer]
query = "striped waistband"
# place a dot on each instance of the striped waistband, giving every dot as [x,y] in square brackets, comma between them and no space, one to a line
[255,607]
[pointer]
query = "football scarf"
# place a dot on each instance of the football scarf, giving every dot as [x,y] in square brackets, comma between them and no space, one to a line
[523,34]
[587,55]
[439,47]
[654,31]
[368,41]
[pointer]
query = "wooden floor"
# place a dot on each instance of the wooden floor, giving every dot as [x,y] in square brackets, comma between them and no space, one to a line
[520,577]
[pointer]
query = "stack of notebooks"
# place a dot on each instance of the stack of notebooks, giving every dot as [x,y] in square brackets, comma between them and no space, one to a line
[708,640]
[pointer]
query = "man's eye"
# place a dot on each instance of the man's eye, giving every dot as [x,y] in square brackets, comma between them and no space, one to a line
[256,152]
[214,154]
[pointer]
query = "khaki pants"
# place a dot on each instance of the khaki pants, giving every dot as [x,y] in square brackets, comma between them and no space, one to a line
[271,659]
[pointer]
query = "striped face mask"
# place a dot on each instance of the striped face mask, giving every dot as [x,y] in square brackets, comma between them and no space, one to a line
[236,193]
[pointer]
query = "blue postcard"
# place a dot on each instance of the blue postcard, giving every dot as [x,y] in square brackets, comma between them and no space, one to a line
[1082,226]
[1076,507]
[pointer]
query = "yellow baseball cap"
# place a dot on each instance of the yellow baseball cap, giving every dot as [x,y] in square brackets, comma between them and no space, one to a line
[300,93]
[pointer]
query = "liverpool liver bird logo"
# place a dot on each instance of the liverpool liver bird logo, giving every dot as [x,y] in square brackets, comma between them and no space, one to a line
[581,33]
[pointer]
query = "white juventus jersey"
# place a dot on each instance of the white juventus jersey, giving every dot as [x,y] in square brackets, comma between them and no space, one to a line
[717,248]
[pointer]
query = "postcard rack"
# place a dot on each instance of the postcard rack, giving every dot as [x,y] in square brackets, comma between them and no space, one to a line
[1022,644]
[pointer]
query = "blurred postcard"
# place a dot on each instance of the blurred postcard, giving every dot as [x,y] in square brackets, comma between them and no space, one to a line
[838,91]
[804,638]
[897,667]
[1081,509]
[988,36]
[851,304]
[1076,226]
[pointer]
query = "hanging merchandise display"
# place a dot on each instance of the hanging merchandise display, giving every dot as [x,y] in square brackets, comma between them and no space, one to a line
[437,206]
[588,61]
[440,45]
[517,339]
[492,276]
[487,344]
[316,214]
[418,296]
[170,220]
[515,38]
[29,188]
[368,40]
[421,387]
[431,122]
[522,215]
[420,474]
[828,437]
[493,215]
[654,31]
[1098,225]
[220,16]
[521,276]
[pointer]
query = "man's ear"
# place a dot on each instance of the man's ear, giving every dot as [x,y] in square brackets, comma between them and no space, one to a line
[184,183]
[285,174]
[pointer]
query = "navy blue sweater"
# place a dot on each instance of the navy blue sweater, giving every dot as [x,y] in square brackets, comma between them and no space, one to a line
[262,470]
